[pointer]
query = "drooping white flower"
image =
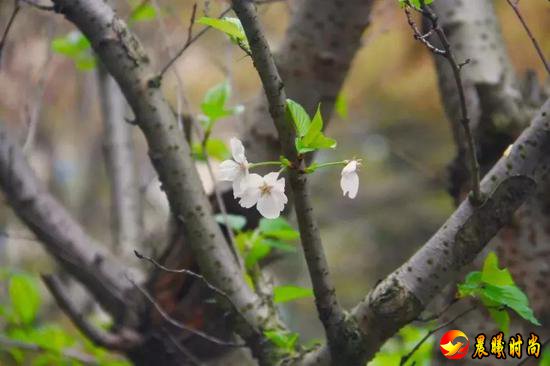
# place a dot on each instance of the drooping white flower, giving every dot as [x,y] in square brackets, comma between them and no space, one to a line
[350,180]
[235,170]
[267,193]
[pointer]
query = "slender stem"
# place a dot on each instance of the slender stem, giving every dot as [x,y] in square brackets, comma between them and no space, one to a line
[324,165]
[515,7]
[405,358]
[16,8]
[330,312]
[456,67]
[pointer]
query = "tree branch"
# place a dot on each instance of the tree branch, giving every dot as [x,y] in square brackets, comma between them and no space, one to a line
[60,234]
[515,6]
[121,167]
[404,294]
[123,341]
[123,56]
[330,312]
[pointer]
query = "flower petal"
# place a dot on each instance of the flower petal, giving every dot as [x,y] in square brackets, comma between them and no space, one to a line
[351,167]
[271,178]
[229,170]
[271,205]
[237,150]
[250,190]
[240,183]
[350,184]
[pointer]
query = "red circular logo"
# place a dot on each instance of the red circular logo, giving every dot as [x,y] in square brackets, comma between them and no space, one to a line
[454,344]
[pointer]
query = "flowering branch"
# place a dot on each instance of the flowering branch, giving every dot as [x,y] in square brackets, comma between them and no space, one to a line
[330,311]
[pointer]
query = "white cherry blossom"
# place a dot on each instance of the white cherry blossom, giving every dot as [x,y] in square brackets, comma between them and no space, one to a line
[350,180]
[267,193]
[235,170]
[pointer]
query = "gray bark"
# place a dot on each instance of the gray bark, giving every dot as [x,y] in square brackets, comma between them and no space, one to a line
[121,167]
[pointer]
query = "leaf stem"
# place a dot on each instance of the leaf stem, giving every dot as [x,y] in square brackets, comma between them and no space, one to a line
[264,163]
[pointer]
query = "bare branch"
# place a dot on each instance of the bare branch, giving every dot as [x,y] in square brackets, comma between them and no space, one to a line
[75,355]
[330,312]
[124,57]
[456,67]
[121,166]
[515,6]
[11,20]
[405,358]
[404,294]
[38,6]
[125,340]
[180,325]
[195,275]
[190,39]
[60,234]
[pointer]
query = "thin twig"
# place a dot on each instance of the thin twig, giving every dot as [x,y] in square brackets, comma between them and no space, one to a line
[180,325]
[38,6]
[122,341]
[456,67]
[15,11]
[515,7]
[405,358]
[190,40]
[83,358]
[195,275]
[438,315]
[330,312]
[180,347]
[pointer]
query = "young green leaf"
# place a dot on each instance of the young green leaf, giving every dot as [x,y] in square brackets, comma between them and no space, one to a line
[298,116]
[501,318]
[236,222]
[258,252]
[213,104]
[143,12]
[77,47]
[290,293]
[278,244]
[314,138]
[232,27]
[282,339]
[341,106]
[492,274]
[24,297]
[215,148]
[278,228]
[511,297]
[414,3]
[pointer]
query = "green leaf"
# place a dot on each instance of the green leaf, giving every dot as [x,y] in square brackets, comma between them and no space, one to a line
[278,228]
[24,296]
[236,222]
[511,297]
[278,244]
[471,284]
[258,252]
[298,116]
[51,337]
[290,293]
[501,318]
[491,274]
[414,3]
[341,106]
[282,339]
[314,138]
[77,47]
[545,357]
[232,27]
[217,149]
[71,45]
[213,104]
[143,13]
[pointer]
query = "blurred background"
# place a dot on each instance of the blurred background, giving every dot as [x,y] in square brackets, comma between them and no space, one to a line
[394,121]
